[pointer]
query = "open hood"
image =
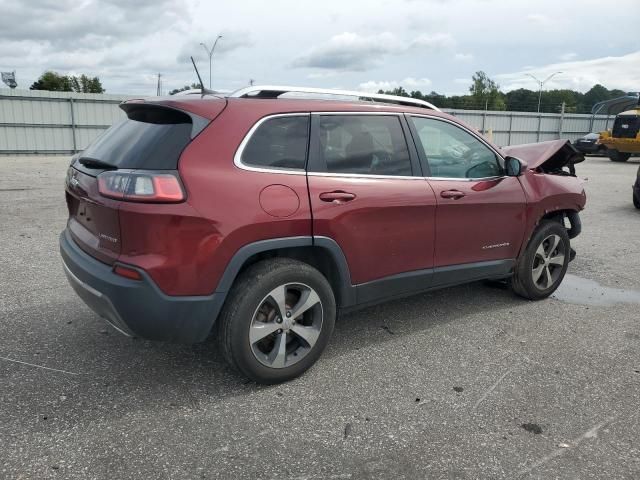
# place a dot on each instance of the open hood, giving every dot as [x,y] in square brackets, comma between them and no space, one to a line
[549,156]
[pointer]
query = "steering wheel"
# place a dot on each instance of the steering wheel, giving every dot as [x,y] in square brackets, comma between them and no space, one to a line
[491,170]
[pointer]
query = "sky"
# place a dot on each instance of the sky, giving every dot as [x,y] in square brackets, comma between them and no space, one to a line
[350,44]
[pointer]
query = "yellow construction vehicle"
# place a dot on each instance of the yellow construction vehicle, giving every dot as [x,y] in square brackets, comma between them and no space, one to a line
[623,140]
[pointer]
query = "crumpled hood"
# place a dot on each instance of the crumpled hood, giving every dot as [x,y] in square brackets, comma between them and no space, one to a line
[551,155]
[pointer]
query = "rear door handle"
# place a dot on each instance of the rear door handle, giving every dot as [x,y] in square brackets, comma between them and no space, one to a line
[337,197]
[455,194]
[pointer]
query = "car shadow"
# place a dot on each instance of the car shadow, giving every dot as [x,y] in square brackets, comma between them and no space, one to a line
[202,364]
[105,373]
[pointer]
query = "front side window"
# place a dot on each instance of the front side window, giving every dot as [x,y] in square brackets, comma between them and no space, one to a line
[363,144]
[279,142]
[451,152]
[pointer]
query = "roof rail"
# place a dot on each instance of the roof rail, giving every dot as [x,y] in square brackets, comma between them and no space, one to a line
[274,91]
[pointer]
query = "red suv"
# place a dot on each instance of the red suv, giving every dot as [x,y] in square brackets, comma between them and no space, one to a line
[262,216]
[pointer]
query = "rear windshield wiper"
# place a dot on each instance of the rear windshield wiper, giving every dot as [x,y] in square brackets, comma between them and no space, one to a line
[95,163]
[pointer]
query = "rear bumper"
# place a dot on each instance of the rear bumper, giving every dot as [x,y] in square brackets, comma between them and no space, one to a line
[137,308]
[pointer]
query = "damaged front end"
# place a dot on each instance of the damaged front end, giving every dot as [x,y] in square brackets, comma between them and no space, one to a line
[555,157]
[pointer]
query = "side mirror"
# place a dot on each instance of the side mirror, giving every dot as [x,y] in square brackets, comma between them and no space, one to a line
[514,167]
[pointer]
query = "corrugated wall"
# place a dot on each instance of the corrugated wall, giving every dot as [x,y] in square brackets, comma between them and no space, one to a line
[513,128]
[54,122]
[63,122]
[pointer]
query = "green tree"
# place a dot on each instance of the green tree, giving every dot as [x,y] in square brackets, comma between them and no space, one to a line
[184,89]
[55,82]
[485,92]
[84,84]
[521,100]
[552,101]
[52,81]
[596,94]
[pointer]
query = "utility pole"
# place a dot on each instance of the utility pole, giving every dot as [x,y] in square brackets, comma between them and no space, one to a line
[210,53]
[541,84]
[484,116]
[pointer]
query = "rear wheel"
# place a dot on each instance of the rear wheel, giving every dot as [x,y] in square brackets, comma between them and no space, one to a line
[542,266]
[636,199]
[277,320]
[616,156]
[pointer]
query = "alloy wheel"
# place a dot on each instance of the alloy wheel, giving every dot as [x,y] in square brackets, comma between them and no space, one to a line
[548,262]
[286,325]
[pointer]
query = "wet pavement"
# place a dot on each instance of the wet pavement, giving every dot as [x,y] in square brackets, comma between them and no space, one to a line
[582,291]
[465,383]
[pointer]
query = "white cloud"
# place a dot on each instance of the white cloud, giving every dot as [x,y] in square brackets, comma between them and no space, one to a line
[231,40]
[565,57]
[613,72]
[463,57]
[434,41]
[323,74]
[126,43]
[408,84]
[350,51]
[539,19]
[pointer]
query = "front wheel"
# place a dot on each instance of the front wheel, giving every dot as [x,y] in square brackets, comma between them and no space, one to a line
[636,199]
[616,156]
[277,320]
[542,266]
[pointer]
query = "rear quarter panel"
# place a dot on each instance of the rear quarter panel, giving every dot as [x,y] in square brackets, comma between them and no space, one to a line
[228,197]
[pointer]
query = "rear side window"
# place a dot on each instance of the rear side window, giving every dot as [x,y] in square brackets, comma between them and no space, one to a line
[151,138]
[279,142]
[363,144]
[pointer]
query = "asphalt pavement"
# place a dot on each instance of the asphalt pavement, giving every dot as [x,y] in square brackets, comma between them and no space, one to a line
[465,383]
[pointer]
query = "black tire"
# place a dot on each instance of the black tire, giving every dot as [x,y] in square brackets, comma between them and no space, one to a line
[524,281]
[636,200]
[249,299]
[616,156]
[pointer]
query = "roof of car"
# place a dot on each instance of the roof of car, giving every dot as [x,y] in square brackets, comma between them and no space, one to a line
[279,91]
[327,105]
[203,105]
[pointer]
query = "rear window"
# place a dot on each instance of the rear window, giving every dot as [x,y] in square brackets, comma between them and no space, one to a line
[151,138]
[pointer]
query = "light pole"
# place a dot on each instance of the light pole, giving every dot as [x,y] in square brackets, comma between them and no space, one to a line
[210,53]
[541,84]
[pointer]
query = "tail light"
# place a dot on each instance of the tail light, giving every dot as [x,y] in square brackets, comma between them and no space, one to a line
[141,186]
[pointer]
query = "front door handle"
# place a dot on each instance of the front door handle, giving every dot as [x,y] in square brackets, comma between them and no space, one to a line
[455,194]
[337,197]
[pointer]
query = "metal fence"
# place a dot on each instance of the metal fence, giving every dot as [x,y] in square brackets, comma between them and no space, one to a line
[513,128]
[38,122]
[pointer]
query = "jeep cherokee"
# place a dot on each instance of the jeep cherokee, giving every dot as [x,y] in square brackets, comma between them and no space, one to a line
[259,216]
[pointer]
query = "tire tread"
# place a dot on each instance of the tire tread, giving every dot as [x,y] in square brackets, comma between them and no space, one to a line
[519,282]
[248,282]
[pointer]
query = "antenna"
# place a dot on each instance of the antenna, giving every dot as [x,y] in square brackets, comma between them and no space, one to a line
[203,90]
